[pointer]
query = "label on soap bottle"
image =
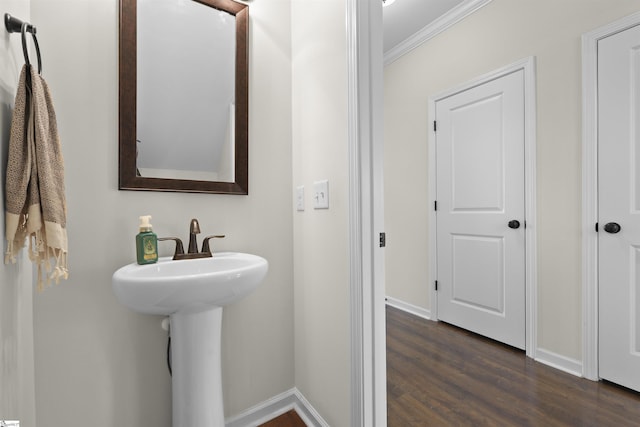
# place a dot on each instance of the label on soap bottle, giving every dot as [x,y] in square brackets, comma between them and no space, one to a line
[148,243]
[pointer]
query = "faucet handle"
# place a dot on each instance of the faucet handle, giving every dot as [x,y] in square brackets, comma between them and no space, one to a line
[205,242]
[179,247]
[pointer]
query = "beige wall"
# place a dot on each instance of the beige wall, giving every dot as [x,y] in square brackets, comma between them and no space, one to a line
[97,363]
[499,34]
[321,236]
[16,319]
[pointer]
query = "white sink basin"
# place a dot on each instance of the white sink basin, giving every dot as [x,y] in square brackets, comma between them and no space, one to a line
[193,292]
[171,286]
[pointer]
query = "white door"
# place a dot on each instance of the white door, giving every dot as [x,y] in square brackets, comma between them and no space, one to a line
[619,207]
[480,209]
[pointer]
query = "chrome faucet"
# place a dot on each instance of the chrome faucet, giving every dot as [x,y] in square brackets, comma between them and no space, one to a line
[192,251]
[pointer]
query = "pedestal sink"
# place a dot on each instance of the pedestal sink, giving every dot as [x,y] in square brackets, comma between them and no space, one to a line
[192,293]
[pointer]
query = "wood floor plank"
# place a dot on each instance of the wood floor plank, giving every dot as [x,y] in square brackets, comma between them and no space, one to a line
[440,375]
[288,419]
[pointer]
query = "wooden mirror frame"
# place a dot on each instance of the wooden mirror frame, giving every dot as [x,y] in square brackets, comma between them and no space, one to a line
[128,179]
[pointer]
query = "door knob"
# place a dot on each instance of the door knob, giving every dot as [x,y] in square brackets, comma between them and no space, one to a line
[514,223]
[612,227]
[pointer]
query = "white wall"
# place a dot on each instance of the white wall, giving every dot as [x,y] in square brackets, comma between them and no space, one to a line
[16,320]
[97,363]
[321,274]
[499,34]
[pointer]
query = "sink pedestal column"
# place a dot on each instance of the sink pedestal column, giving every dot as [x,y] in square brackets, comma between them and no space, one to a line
[195,360]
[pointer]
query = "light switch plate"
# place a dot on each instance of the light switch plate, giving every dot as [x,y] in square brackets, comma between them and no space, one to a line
[321,194]
[300,198]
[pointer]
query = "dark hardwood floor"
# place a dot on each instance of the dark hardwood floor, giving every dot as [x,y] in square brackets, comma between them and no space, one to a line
[288,419]
[440,375]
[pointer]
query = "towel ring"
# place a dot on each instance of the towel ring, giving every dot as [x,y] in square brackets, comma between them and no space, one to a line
[25,50]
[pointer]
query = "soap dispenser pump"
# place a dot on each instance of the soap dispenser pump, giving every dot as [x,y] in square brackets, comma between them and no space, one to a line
[146,242]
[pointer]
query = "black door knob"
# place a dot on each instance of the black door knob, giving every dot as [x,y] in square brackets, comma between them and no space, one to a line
[612,227]
[514,223]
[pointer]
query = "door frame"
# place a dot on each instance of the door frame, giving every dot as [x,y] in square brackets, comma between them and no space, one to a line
[368,362]
[590,258]
[527,65]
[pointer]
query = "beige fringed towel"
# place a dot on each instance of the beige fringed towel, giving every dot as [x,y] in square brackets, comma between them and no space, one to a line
[35,203]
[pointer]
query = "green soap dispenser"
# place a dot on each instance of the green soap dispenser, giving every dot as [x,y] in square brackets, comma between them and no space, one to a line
[146,242]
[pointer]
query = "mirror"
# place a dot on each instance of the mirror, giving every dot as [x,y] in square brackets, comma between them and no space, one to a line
[183,96]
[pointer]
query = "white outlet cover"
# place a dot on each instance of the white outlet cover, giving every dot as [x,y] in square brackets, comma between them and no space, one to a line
[300,198]
[321,194]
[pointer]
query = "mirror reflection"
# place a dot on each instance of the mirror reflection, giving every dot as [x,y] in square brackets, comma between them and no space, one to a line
[201,51]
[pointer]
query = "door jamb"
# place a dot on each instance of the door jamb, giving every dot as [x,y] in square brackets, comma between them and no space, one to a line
[590,189]
[528,67]
[366,214]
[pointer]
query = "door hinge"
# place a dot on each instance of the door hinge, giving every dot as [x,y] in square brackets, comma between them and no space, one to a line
[383,240]
[435,126]
[436,283]
[435,205]
[596,227]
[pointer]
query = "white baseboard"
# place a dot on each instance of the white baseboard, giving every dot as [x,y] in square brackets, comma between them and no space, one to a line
[555,360]
[276,406]
[307,412]
[409,308]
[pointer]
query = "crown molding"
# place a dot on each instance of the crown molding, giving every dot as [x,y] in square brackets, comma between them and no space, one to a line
[452,17]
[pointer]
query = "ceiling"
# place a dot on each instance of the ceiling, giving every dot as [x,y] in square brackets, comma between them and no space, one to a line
[404,18]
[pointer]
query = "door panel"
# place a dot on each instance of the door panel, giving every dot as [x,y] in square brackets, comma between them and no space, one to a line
[472,283]
[477,169]
[619,202]
[480,188]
